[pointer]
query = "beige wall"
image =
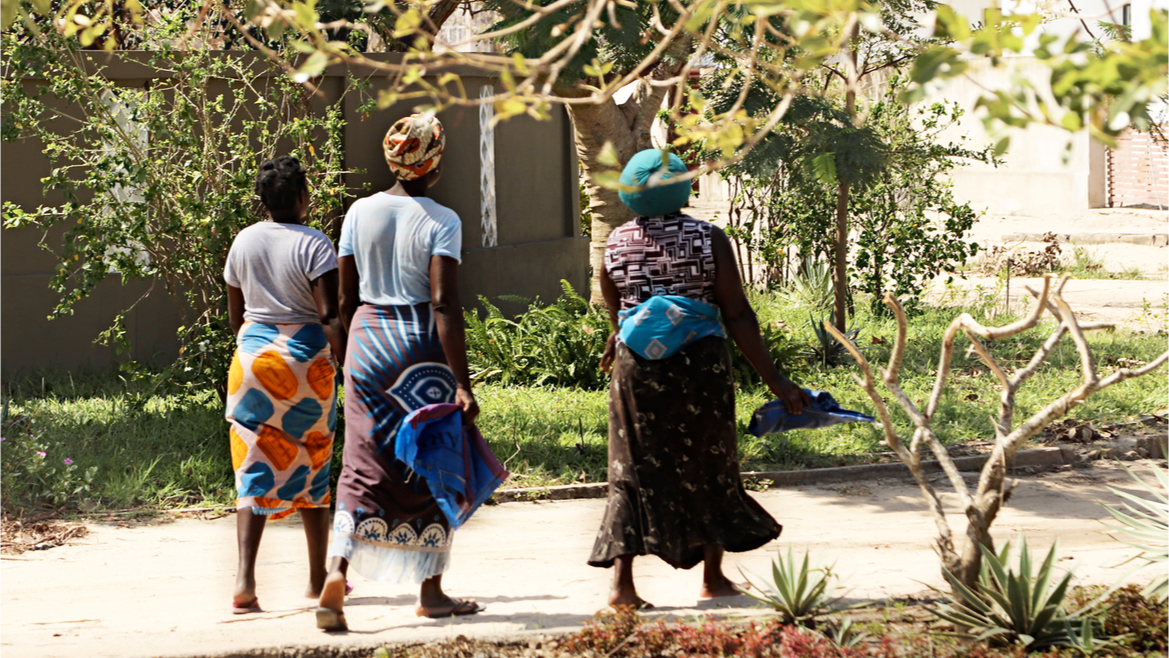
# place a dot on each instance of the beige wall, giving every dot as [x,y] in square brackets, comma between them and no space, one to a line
[537,210]
[1047,171]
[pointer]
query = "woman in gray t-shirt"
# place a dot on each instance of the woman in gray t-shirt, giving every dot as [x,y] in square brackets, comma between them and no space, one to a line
[281,388]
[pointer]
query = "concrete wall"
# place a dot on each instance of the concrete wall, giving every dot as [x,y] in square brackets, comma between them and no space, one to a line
[1046,171]
[539,240]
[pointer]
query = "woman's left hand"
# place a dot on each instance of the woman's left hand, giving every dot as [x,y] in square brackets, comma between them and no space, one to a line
[610,353]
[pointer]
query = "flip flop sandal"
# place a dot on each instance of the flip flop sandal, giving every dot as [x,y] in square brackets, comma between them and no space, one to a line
[463,607]
[243,610]
[348,588]
[329,619]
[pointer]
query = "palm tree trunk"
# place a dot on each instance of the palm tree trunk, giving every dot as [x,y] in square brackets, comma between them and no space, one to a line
[627,128]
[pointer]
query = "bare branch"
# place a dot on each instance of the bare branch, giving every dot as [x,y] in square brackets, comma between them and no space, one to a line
[898,354]
[869,384]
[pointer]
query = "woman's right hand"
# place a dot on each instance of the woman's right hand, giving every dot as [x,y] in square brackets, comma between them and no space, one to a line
[794,398]
[466,401]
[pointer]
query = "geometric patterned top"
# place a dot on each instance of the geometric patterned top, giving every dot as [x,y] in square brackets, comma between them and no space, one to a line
[669,255]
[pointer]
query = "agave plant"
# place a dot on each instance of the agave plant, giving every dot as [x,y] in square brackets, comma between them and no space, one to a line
[845,635]
[810,287]
[799,591]
[827,351]
[1018,606]
[1146,522]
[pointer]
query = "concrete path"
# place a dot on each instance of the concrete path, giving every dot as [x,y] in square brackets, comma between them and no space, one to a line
[164,589]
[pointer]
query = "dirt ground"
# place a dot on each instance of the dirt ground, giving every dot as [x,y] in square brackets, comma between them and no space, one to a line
[163,589]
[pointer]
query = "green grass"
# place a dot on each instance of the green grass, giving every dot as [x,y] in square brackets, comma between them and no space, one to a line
[1086,266]
[166,450]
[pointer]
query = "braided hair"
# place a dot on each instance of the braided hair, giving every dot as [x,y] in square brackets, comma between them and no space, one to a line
[279,184]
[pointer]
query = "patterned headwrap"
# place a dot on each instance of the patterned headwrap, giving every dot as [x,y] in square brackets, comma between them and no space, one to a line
[413,146]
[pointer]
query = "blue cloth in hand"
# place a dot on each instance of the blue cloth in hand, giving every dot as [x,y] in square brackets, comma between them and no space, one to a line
[459,468]
[822,410]
[663,324]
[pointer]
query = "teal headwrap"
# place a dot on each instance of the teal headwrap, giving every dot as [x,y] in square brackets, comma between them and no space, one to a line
[659,199]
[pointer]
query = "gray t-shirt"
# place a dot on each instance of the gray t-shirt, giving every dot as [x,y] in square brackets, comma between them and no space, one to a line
[392,239]
[272,264]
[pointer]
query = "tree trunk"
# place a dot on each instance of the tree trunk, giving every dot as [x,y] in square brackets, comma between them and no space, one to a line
[627,128]
[840,271]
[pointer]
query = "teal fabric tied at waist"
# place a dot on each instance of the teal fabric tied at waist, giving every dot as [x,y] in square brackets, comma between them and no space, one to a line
[663,324]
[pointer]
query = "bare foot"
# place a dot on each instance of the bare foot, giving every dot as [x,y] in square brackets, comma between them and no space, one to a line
[440,608]
[717,588]
[623,599]
[330,615]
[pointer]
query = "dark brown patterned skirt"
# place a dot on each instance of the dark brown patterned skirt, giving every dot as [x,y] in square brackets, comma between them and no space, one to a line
[674,483]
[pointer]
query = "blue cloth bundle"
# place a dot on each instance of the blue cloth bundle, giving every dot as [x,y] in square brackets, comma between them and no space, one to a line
[822,410]
[459,468]
[663,324]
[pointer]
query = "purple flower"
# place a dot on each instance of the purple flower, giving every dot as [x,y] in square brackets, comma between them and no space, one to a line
[40,453]
[3,439]
[68,461]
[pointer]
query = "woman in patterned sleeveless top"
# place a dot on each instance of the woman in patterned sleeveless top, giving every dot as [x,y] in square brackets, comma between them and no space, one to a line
[674,484]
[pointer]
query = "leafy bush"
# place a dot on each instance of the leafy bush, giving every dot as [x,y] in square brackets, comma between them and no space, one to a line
[623,634]
[908,225]
[1136,621]
[556,344]
[156,181]
[561,344]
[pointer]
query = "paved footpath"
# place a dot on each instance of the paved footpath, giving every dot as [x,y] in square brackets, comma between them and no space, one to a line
[164,589]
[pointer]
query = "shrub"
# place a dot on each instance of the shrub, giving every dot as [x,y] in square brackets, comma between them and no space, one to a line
[560,344]
[557,344]
[623,634]
[152,183]
[1138,622]
[37,471]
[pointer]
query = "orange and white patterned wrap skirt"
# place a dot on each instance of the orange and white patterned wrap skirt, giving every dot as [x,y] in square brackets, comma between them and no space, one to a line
[282,405]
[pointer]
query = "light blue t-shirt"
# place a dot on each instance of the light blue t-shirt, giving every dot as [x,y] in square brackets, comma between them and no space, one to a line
[392,239]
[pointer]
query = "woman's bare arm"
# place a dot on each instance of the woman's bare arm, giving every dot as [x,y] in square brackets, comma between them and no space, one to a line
[324,290]
[448,316]
[613,302]
[235,309]
[741,323]
[350,290]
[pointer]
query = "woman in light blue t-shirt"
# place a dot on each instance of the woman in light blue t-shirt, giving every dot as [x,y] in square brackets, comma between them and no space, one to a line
[281,393]
[399,262]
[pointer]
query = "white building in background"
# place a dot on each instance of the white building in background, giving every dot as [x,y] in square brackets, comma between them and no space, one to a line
[1048,171]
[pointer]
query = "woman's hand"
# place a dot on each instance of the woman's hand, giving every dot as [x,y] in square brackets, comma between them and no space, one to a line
[466,401]
[794,398]
[610,353]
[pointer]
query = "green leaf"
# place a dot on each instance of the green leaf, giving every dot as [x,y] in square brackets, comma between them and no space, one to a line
[9,10]
[311,68]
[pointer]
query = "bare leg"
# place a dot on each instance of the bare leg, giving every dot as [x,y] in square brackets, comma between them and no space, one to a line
[624,593]
[714,583]
[249,530]
[433,602]
[316,531]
